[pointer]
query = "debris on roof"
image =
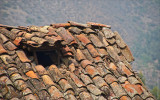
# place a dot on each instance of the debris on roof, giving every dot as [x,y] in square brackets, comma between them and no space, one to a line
[67,61]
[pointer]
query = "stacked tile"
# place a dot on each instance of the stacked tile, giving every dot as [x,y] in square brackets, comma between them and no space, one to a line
[95,64]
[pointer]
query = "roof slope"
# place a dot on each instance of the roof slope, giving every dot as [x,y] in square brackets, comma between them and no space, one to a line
[92,63]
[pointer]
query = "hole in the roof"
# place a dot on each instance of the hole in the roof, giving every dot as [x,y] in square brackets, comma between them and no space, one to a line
[47,58]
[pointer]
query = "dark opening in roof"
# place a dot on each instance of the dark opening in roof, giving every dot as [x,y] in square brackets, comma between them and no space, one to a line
[47,58]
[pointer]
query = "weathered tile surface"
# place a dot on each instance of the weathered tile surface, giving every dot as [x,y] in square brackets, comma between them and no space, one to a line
[87,62]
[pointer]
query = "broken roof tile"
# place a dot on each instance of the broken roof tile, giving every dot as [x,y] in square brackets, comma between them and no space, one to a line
[31,74]
[17,41]
[22,56]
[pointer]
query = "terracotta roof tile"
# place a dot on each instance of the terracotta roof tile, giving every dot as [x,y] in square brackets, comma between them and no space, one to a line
[99,81]
[110,79]
[47,80]
[12,70]
[15,77]
[95,40]
[137,97]
[119,40]
[122,79]
[65,35]
[125,98]
[117,89]
[112,66]
[76,80]
[38,40]
[17,41]
[102,52]
[65,85]
[20,85]
[10,46]
[55,93]
[112,53]
[3,38]
[31,74]
[91,71]
[87,55]
[2,50]
[75,30]
[86,79]
[70,97]
[77,24]
[57,25]
[85,96]
[83,39]
[22,56]
[88,30]
[55,73]
[8,33]
[98,24]
[127,53]
[93,89]
[30,97]
[124,69]
[84,63]
[41,70]
[107,32]
[79,55]
[92,50]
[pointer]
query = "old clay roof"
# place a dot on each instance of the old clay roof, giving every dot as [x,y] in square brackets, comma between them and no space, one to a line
[92,63]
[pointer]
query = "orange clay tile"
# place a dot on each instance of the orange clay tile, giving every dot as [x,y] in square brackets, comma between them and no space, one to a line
[83,39]
[31,74]
[98,24]
[10,46]
[124,98]
[84,63]
[91,71]
[22,56]
[55,93]
[132,87]
[2,50]
[79,55]
[76,80]
[99,81]
[47,80]
[30,97]
[92,50]
[110,78]
[97,59]
[71,67]
[57,25]
[41,70]
[102,52]
[52,32]
[112,66]
[17,41]
[65,85]
[126,70]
